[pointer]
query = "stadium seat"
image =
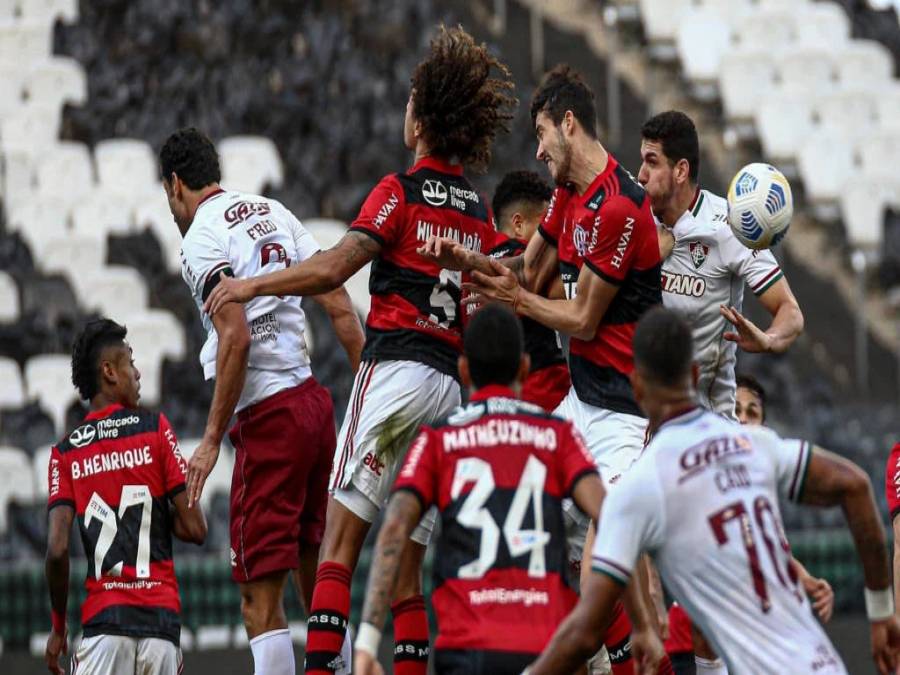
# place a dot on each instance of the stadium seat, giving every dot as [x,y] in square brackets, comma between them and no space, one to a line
[767,30]
[703,38]
[825,162]
[876,152]
[661,18]
[55,82]
[71,255]
[781,4]
[11,89]
[66,172]
[849,114]
[806,71]
[219,479]
[24,41]
[102,212]
[864,62]
[249,163]
[782,122]
[734,12]
[116,291]
[39,222]
[822,23]
[48,378]
[12,393]
[16,483]
[31,129]
[50,10]
[888,103]
[745,78]
[126,165]
[9,299]
[40,462]
[327,231]
[153,212]
[18,174]
[863,203]
[154,335]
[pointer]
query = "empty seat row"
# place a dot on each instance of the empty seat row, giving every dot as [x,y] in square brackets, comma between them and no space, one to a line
[38,11]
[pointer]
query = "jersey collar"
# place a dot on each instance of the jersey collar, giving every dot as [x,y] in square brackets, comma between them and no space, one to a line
[437,164]
[683,417]
[493,391]
[103,412]
[692,211]
[600,179]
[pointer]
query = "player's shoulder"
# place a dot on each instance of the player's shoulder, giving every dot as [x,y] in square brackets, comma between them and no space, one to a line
[121,423]
[474,411]
[625,191]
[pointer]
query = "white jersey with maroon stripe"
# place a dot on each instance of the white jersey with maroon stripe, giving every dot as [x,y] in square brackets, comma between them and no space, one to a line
[702,500]
[246,235]
[707,268]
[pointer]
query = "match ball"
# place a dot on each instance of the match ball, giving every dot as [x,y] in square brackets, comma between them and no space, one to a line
[760,205]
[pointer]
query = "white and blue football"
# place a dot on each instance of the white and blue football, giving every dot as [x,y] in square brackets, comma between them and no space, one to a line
[760,205]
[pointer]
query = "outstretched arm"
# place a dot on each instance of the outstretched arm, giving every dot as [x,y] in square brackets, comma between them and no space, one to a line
[787,322]
[349,331]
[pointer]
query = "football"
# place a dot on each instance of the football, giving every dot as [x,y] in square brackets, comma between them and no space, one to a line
[760,205]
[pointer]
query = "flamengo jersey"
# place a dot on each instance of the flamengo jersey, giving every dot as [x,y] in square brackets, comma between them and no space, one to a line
[702,500]
[247,235]
[498,470]
[708,268]
[541,343]
[119,470]
[611,230]
[892,481]
[416,313]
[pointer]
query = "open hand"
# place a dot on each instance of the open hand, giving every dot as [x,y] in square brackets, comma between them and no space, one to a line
[227,290]
[885,644]
[199,467]
[502,286]
[748,335]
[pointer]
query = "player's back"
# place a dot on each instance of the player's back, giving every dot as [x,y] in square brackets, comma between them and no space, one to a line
[118,471]
[719,541]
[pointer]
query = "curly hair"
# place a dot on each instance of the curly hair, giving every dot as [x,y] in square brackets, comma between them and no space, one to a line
[561,90]
[460,106]
[189,154]
[519,186]
[677,134]
[90,343]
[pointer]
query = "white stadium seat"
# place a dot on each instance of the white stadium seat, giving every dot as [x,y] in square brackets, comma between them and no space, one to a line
[864,62]
[806,71]
[782,4]
[66,171]
[39,221]
[769,30]
[734,12]
[24,41]
[326,231]
[31,129]
[219,479]
[888,103]
[154,335]
[56,81]
[703,38]
[782,122]
[16,482]
[103,212]
[40,464]
[115,291]
[825,163]
[661,18]
[863,201]
[72,255]
[126,165]
[822,23]
[48,378]
[847,114]
[153,211]
[12,392]
[745,78]
[249,163]
[50,10]
[877,153]
[11,89]
[9,299]
[18,175]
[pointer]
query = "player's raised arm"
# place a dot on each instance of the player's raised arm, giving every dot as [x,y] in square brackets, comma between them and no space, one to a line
[345,321]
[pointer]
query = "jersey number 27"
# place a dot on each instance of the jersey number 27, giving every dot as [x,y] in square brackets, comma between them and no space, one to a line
[132,495]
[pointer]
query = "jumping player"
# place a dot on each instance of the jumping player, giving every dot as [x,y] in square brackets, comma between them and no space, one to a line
[122,474]
[703,277]
[519,204]
[494,463]
[458,102]
[703,502]
[284,434]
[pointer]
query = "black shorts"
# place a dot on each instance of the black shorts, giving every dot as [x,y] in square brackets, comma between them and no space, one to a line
[476,662]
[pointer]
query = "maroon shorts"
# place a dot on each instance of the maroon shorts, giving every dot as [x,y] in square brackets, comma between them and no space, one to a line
[284,446]
[547,387]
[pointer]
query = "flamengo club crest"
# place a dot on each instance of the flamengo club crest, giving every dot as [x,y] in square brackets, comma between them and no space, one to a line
[699,251]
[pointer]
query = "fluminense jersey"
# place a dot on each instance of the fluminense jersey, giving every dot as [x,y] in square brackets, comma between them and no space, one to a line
[244,235]
[498,470]
[611,230]
[702,500]
[119,470]
[416,313]
[707,268]
[892,481]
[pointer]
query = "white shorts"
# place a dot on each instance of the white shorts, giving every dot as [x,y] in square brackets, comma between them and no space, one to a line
[390,400]
[615,441]
[106,654]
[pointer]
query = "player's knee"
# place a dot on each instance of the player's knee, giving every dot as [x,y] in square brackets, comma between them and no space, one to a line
[261,611]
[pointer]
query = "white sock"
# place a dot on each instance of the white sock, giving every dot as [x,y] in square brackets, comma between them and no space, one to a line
[710,666]
[273,653]
[346,654]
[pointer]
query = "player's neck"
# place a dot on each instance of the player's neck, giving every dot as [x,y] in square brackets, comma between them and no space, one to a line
[587,164]
[195,199]
[682,201]
[103,400]
[669,404]
[423,150]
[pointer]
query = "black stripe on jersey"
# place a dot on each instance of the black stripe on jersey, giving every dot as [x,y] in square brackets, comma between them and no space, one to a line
[92,431]
[411,489]
[508,249]
[416,287]
[124,547]
[638,292]
[412,650]
[459,545]
[374,235]
[547,236]
[470,413]
[435,190]
[175,491]
[603,275]
[629,187]
[480,661]
[602,386]
[404,344]
[578,476]
[60,502]
[136,621]
[213,279]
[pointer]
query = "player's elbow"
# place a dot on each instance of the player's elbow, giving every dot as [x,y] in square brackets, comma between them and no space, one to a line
[237,337]
[57,550]
[192,529]
[856,482]
[585,638]
[585,327]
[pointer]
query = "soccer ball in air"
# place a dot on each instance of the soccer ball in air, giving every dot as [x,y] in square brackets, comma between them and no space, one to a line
[760,205]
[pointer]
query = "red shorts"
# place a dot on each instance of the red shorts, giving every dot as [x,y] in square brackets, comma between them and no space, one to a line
[547,387]
[679,640]
[284,446]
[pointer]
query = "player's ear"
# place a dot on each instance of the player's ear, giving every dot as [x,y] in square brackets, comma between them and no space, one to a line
[518,225]
[682,170]
[462,365]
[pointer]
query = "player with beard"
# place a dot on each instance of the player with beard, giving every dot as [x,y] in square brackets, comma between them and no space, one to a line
[458,102]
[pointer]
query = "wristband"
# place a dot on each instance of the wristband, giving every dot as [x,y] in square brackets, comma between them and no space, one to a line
[879,604]
[368,638]
[58,621]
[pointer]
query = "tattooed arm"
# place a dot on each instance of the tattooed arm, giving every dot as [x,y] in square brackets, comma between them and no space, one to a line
[321,273]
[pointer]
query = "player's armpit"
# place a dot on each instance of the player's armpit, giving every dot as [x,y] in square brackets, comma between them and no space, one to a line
[189,523]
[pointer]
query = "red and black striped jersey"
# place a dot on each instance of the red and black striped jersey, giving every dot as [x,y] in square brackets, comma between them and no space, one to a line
[498,470]
[611,230]
[119,470]
[416,313]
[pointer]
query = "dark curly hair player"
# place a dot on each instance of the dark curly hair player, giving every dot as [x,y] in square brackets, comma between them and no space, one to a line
[120,466]
[460,99]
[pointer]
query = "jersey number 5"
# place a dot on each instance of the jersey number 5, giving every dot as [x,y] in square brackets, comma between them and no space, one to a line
[132,495]
[473,514]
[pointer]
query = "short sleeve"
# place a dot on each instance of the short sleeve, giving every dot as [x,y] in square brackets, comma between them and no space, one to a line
[204,258]
[304,241]
[173,464]
[575,459]
[59,481]
[630,524]
[551,225]
[791,460]
[613,241]
[758,269]
[381,215]
[892,481]
[420,469]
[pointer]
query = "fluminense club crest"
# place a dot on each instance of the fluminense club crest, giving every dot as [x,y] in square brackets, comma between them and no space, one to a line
[699,251]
